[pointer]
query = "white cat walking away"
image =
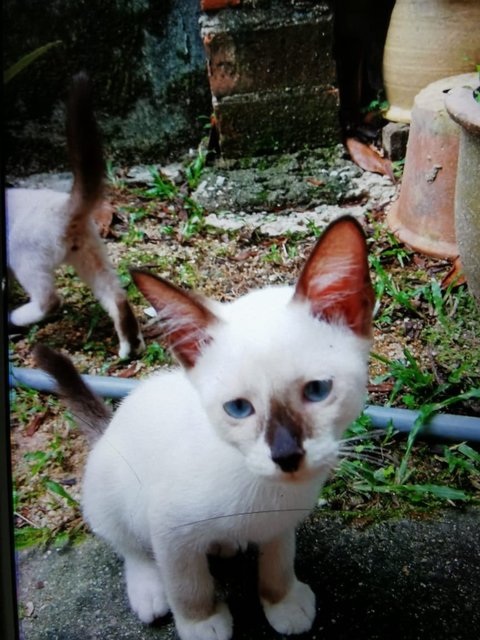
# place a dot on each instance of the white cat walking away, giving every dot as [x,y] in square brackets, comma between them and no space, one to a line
[233,447]
[46,228]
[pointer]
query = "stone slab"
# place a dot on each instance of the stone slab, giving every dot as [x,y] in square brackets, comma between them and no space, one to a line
[410,579]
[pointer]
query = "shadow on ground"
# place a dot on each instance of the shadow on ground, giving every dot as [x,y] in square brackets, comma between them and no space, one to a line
[409,579]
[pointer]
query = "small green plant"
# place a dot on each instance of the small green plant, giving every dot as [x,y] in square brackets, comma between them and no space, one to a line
[188,275]
[384,285]
[27,60]
[112,175]
[135,234]
[273,255]
[194,170]
[195,218]
[408,376]
[314,229]
[25,403]
[161,187]
[376,105]
[155,354]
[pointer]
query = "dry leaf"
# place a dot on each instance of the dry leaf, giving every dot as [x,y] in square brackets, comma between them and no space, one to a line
[455,277]
[130,371]
[315,182]
[384,387]
[369,158]
[245,255]
[34,424]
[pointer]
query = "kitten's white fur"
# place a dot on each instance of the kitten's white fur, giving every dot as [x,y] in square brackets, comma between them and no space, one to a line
[174,476]
[166,488]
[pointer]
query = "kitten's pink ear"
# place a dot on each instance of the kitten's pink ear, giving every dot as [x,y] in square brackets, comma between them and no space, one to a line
[185,318]
[336,280]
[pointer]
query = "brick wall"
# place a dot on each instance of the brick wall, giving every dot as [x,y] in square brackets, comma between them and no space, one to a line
[271,73]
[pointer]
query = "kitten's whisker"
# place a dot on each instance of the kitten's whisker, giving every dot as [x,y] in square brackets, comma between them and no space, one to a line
[241,513]
[358,448]
[375,460]
[376,433]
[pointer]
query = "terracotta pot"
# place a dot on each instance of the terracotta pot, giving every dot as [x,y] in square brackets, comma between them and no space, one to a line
[465,110]
[423,215]
[427,40]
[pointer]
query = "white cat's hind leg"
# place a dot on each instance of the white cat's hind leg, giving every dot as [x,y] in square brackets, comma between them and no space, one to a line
[43,298]
[145,589]
[94,267]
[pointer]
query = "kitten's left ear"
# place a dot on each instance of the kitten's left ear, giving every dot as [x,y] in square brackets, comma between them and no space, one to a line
[185,318]
[336,280]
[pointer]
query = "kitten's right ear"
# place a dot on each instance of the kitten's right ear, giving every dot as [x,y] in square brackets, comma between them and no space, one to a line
[184,317]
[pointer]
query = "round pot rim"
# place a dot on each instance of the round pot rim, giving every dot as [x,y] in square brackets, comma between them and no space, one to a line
[463,108]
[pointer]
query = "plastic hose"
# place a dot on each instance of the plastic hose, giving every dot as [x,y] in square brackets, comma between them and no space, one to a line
[440,426]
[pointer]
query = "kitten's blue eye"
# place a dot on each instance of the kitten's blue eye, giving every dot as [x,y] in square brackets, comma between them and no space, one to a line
[317,390]
[239,408]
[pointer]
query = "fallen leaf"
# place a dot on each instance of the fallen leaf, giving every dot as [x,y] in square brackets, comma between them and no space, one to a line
[384,387]
[315,182]
[455,277]
[130,371]
[245,255]
[419,261]
[369,158]
[34,424]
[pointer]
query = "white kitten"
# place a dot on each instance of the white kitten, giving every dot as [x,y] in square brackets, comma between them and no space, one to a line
[46,228]
[234,447]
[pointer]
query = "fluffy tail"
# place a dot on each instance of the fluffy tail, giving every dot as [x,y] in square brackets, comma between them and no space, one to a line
[90,412]
[84,147]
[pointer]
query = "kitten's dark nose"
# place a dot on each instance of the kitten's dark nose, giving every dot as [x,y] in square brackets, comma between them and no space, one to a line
[286,450]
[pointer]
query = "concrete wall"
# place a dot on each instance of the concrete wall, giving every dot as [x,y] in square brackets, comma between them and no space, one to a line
[148,69]
[284,74]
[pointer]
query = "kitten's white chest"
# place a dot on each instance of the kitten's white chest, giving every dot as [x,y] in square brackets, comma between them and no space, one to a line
[239,513]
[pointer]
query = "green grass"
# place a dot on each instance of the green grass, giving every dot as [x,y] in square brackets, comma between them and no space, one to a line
[43,475]
[397,474]
[381,475]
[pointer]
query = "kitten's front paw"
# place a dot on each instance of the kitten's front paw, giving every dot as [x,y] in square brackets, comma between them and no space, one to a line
[295,613]
[146,595]
[218,626]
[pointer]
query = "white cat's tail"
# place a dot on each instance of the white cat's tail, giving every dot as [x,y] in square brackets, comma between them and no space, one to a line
[85,150]
[89,411]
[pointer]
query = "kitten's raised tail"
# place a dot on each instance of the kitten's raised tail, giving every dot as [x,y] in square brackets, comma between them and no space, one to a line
[84,147]
[90,412]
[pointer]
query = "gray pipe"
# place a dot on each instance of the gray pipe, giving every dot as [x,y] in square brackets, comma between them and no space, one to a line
[444,426]
[105,386]
[441,426]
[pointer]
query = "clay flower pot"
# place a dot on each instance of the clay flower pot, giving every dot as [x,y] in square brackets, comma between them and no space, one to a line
[423,215]
[427,40]
[464,109]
